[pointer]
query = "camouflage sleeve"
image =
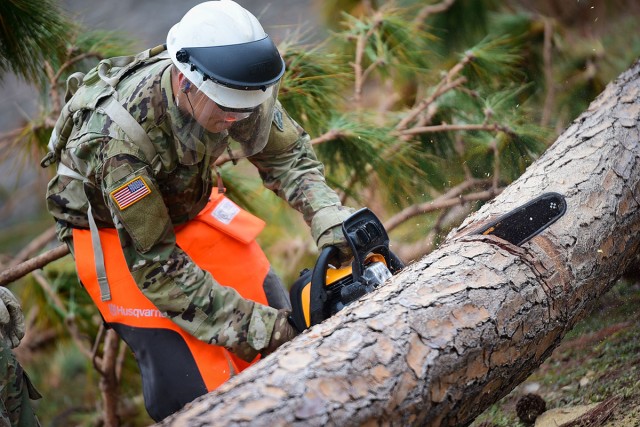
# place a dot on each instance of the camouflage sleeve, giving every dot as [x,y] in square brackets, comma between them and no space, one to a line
[168,277]
[16,392]
[289,167]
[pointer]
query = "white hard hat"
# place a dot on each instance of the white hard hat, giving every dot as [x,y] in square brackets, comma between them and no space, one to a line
[224,51]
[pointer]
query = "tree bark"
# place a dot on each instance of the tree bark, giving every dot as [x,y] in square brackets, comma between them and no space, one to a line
[109,379]
[460,328]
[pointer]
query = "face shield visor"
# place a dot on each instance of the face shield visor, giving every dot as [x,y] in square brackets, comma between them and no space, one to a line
[204,127]
[228,97]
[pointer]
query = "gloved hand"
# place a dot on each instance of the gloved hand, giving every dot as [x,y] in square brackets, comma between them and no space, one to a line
[283,331]
[326,228]
[11,318]
[335,237]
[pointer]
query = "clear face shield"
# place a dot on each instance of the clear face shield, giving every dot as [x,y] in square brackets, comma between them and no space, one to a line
[204,127]
[227,97]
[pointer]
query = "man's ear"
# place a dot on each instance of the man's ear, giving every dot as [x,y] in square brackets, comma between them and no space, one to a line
[183,83]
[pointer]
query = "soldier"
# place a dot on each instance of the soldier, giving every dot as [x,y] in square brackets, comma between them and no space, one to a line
[172,265]
[16,391]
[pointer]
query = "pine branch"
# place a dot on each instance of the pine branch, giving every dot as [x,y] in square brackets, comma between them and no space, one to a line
[432,9]
[54,93]
[69,63]
[108,379]
[444,127]
[547,56]
[496,164]
[360,75]
[14,273]
[405,134]
[95,349]
[327,136]
[120,359]
[447,217]
[69,321]
[8,137]
[35,246]
[451,198]
[444,86]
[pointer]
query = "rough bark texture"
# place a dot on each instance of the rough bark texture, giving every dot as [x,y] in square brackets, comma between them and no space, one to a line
[460,328]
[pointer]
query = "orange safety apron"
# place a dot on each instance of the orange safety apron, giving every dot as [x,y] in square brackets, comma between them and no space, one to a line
[175,366]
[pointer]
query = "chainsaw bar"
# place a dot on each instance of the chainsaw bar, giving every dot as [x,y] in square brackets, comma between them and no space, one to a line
[526,221]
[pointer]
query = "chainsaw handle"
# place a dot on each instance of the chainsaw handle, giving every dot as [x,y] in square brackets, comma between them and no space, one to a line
[365,234]
[318,291]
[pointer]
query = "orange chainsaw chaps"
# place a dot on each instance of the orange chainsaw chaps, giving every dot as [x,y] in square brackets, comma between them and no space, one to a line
[234,263]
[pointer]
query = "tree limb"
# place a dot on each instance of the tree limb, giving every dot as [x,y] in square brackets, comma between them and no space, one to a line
[361,44]
[445,127]
[330,135]
[432,9]
[14,273]
[35,246]
[69,321]
[451,198]
[108,379]
[547,56]
[443,87]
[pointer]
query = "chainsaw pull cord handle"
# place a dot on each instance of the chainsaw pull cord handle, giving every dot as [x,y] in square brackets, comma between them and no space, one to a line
[318,292]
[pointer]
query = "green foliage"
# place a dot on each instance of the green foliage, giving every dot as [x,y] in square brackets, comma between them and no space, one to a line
[464,24]
[65,47]
[104,44]
[30,33]
[414,109]
[312,84]
[397,50]
[494,62]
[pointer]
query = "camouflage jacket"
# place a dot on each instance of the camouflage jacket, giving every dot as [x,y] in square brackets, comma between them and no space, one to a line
[180,182]
[16,392]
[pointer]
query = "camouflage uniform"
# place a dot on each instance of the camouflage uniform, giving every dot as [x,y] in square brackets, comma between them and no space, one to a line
[16,391]
[180,181]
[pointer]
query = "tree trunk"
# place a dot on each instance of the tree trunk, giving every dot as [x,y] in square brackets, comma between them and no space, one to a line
[109,379]
[460,328]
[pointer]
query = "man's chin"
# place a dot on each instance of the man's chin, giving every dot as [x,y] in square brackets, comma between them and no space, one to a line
[218,127]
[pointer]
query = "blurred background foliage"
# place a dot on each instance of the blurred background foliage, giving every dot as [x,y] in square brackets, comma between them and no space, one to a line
[420,110]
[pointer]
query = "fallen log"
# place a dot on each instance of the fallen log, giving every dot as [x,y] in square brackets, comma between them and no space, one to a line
[460,328]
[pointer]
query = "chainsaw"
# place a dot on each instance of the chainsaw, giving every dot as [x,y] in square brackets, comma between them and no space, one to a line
[323,291]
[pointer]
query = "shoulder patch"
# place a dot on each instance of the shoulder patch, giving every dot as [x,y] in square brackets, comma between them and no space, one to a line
[277,119]
[131,192]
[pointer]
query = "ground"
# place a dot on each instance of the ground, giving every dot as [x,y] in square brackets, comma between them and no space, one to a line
[598,360]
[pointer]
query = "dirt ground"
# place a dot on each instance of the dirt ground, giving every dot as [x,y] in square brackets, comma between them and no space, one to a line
[599,360]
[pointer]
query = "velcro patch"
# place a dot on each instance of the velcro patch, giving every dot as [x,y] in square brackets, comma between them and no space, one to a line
[225,211]
[277,119]
[130,193]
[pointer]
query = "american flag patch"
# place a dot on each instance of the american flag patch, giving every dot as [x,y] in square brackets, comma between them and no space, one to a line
[130,193]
